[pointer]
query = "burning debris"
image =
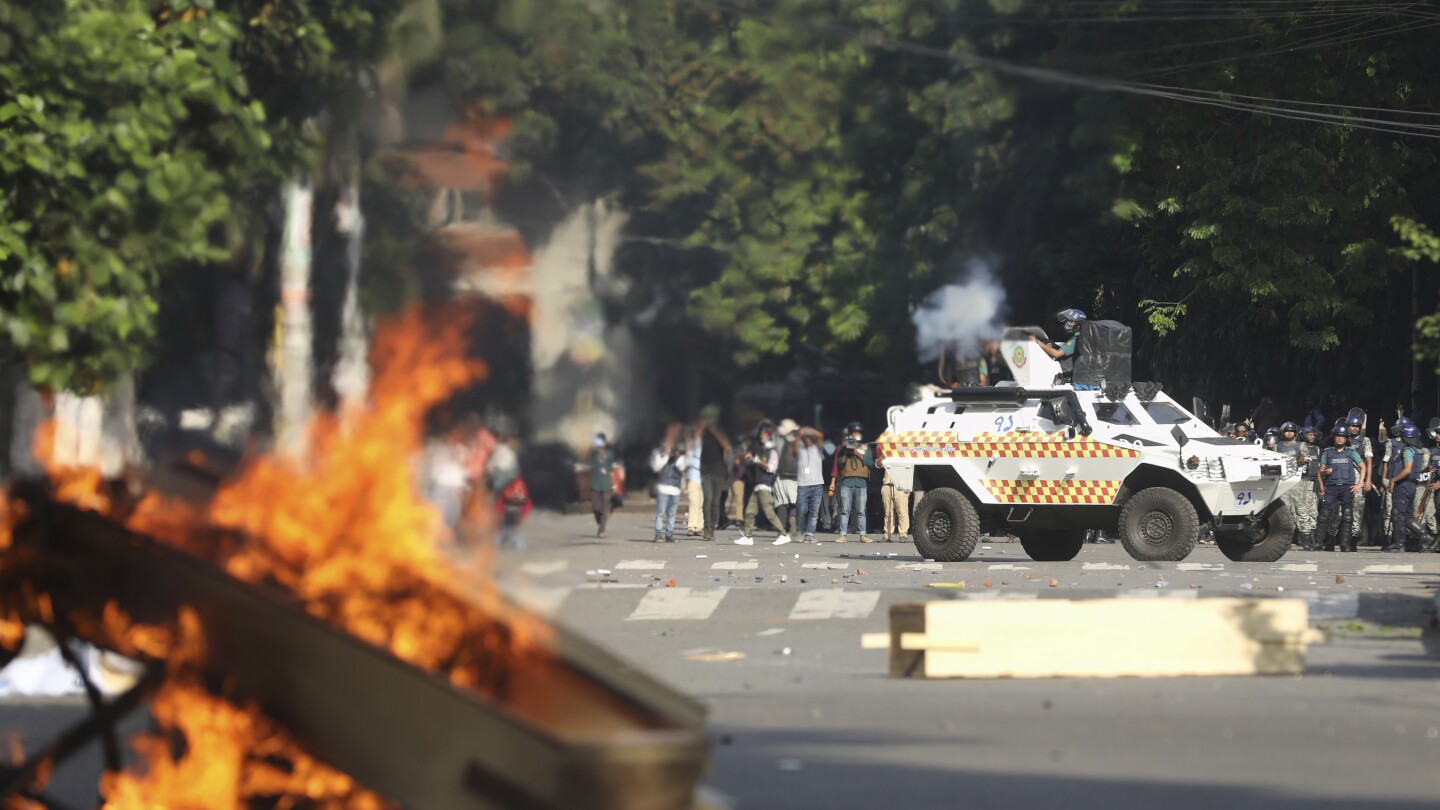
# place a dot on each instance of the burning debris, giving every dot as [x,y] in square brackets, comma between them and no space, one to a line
[234,607]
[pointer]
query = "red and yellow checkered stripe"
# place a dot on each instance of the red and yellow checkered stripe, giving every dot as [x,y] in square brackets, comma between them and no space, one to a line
[944,444]
[1036,492]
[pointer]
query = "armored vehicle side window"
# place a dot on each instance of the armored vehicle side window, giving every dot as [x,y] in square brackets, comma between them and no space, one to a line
[1166,414]
[1115,413]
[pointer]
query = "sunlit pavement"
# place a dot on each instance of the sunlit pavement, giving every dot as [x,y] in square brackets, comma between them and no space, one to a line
[807,719]
[803,718]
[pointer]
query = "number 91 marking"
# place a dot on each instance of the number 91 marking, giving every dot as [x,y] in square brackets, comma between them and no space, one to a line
[1004,424]
[1244,497]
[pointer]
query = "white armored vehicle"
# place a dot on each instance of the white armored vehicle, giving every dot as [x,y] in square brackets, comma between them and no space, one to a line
[1047,462]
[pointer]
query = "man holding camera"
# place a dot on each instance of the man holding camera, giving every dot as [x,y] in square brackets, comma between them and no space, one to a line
[764,458]
[851,476]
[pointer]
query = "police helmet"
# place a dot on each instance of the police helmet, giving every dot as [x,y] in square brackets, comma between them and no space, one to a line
[1409,430]
[1289,427]
[1341,430]
[1308,429]
[1394,430]
[1071,318]
[1356,418]
[854,427]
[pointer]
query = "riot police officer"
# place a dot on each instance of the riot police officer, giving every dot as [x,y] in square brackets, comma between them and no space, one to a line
[1355,424]
[1070,320]
[1288,444]
[1399,474]
[1307,495]
[1340,468]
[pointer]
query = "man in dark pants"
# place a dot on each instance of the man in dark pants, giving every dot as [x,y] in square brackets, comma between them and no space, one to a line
[602,486]
[1400,474]
[714,467]
[1340,469]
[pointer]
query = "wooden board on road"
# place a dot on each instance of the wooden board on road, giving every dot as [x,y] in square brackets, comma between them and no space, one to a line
[1096,638]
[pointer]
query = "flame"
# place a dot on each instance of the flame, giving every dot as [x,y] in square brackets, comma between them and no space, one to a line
[346,531]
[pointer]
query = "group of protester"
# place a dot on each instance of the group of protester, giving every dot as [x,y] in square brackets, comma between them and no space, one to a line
[473,468]
[786,473]
[1340,466]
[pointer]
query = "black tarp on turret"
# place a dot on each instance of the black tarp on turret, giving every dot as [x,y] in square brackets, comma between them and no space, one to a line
[1102,355]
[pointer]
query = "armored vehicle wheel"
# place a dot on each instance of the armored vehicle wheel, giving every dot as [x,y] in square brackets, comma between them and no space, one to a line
[1158,525]
[1052,545]
[1274,531]
[946,526]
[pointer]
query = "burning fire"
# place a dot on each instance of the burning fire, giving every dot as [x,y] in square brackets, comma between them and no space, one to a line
[346,532]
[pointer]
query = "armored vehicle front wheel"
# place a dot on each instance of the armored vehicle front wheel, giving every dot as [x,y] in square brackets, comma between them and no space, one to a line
[1158,525]
[1052,545]
[1266,542]
[946,526]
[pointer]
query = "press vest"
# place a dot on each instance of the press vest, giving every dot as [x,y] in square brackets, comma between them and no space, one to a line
[1344,466]
[853,467]
[765,478]
[669,475]
[789,463]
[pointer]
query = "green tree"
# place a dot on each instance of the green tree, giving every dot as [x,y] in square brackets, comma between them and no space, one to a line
[140,138]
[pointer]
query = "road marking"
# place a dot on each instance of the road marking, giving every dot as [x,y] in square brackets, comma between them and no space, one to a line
[1388,569]
[542,568]
[1009,567]
[735,565]
[1159,593]
[774,631]
[678,604]
[834,603]
[1200,567]
[545,601]
[827,566]
[1302,567]
[925,566]
[640,565]
[1103,567]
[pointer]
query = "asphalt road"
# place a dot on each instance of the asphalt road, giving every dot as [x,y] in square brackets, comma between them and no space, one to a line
[804,718]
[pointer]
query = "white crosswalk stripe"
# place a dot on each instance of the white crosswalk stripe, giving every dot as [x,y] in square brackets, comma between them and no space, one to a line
[537,569]
[827,566]
[1300,567]
[1009,567]
[1200,567]
[834,603]
[640,565]
[1388,569]
[923,566]
[735,565]
[1104,567]
[678,604]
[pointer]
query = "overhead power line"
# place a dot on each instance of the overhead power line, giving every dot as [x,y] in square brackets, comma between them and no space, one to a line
[1272,107]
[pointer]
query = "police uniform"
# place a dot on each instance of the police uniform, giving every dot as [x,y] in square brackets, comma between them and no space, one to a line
[1337,504]
[1300,499]
[1403,494]
[1363,446]
[1307,511]
[1392,449]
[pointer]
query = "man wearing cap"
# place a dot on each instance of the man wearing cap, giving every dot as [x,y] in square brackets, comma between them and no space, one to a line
[787,484]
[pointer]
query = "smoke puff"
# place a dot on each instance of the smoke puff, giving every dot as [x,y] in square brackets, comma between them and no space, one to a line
[962,315]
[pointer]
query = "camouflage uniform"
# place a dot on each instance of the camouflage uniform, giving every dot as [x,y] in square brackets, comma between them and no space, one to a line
[1363,446]
[1302,498]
